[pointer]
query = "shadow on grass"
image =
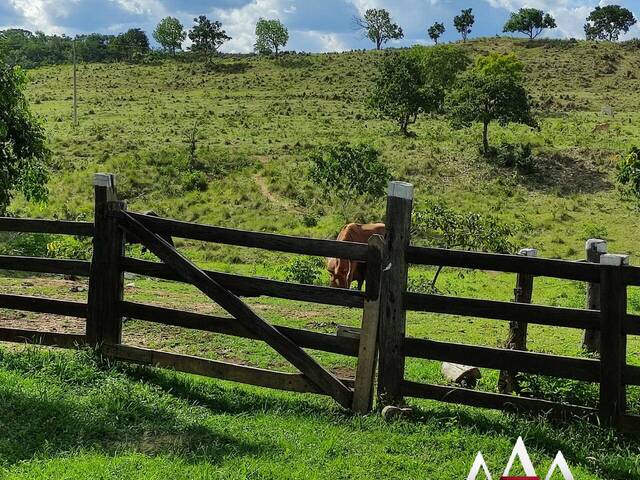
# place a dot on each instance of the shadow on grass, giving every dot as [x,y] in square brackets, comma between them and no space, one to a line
[118,417]
[227,68]
[563,175]
[219,399]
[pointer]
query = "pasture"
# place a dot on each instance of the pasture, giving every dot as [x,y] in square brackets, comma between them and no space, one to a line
[257,120]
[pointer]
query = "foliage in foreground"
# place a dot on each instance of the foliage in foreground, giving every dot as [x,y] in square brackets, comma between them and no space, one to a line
[23,150]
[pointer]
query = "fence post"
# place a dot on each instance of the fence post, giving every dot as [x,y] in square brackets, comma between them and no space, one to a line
[613,310]
[393,319]
[106,280]
[517,339]
[368,349]
[594,248]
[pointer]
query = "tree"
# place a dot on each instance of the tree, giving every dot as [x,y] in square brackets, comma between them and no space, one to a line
[440,66]
[347,172]
[529,21]
[435,31]
[131,44]
[170,34]
[378,27]
[464,22]
[415,81]
[271,35]
[207,37]
[606,23]
[23,150]
[398,92]
[491,91]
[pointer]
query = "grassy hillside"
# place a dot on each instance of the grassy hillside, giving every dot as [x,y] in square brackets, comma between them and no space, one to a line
[74,416]
[259,118]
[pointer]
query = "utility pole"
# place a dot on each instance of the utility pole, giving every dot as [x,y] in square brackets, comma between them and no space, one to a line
[75,86]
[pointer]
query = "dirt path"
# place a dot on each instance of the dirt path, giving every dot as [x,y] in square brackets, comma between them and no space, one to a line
[275,199]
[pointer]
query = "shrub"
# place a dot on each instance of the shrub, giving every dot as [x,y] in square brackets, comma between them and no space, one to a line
[629,172]
[347,172]
[70,247]
[518,156]
[305,270]
[192,181]
[29,245]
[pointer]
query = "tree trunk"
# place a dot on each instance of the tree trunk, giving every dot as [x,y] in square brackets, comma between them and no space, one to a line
[485,137]
[276,49]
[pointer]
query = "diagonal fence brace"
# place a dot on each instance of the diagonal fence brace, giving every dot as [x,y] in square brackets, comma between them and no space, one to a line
[322,378]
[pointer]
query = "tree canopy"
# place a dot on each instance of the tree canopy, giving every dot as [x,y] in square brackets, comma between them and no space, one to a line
[378,27]
[435,31]
[529,21]
[271,35]
[23,150]
[207,37]
[130,44]
[608,22]
[170,34]
[464,22]
[490,91]
[414,81]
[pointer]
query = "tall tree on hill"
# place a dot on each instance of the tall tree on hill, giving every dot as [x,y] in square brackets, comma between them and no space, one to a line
[131,44]
[377,26]
[435,31]
[207,37]
[464,22]
[606,23]
[23,150]
[170,34]
[529,21]
[271,35]
[491,91]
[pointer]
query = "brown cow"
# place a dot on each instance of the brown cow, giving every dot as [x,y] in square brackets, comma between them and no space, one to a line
[343,271]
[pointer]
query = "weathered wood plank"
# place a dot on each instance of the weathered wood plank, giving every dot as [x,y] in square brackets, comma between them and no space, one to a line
[394,312]
[594,249]
[565,269]
[322,378]
[44,305]
[368,348]
[106,281]
[244,286]
[494,401]
[45,265]
[497,310]
[35,225]
[539,363]
[51,339]
[294,382]
[517,337]
[265,241]
[613,309]
[229,326]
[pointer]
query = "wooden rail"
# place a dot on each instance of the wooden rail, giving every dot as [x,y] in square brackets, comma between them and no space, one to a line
[45,265]
[254,287]
[265,241]
[538,314]
[564,269]
[31,225]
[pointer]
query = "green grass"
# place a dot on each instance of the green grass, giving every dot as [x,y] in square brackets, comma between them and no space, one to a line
[70,415]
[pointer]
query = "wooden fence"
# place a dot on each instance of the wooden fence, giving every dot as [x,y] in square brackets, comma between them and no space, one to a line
[380,344]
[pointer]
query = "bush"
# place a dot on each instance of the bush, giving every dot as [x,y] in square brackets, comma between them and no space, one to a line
[518,156]
[629,172]
[305,270]
[192,181]
[558,390]
[28,245]
[70,247]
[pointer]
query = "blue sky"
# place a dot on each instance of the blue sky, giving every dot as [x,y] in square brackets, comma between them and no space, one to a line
[314,25]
